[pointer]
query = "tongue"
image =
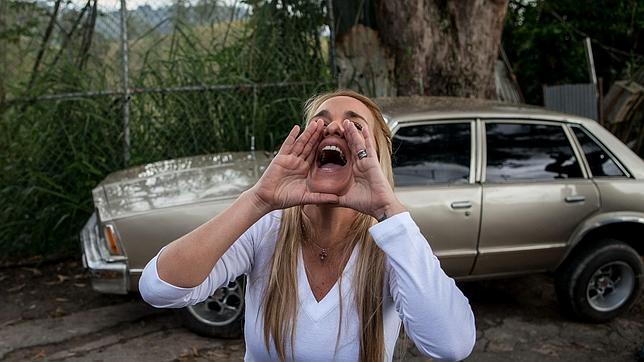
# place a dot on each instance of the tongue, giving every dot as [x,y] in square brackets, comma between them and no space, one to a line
[331,158]
[330,166]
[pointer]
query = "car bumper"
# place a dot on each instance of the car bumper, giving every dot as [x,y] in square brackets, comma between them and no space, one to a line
[108,274]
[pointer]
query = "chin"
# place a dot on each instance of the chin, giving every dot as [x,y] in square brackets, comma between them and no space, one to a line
[328,184]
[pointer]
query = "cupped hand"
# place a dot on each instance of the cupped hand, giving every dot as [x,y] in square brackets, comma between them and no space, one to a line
[283,184]
[370,192]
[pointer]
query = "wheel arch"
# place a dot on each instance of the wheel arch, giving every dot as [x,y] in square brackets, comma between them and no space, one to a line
[622,226]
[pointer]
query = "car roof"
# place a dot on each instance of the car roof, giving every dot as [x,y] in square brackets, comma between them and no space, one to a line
[409,109]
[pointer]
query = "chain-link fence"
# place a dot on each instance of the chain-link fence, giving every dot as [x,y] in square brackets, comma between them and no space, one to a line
[88,87]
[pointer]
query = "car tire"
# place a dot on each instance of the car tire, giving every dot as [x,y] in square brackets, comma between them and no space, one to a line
[219,316]
[599,282]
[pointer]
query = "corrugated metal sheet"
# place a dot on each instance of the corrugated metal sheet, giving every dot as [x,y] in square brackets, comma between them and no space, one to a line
[579,99]
[506,89]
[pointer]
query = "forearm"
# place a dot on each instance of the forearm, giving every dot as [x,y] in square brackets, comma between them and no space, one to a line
[187,261]
[436,315]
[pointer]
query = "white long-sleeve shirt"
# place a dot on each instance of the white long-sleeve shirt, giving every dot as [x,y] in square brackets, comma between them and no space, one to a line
[436,315]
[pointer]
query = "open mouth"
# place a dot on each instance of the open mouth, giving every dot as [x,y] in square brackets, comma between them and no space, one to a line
[331,155]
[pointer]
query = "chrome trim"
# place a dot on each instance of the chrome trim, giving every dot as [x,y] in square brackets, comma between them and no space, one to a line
[483,131]
[106,276]
[467,278]
[509,249]
[619,164]
[102,244]
[575,198]
[611,220]
[579,152]
[461,205]
[472,177]
[479,150]
[579,234]
[458,253]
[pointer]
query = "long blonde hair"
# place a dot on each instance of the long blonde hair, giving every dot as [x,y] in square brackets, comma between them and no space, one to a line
[280,299]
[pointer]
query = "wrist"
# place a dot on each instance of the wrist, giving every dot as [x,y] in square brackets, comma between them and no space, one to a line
[388,210]
[256,201]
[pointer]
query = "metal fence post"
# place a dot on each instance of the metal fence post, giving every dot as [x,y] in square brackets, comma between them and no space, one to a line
[332,64]
[125,84]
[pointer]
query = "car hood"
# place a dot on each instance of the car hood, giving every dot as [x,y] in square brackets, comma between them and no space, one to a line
[178,182]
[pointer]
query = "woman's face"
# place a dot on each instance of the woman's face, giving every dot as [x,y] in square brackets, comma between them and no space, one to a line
[333,169]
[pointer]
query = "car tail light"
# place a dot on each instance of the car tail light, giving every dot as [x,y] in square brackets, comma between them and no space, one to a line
[112,240]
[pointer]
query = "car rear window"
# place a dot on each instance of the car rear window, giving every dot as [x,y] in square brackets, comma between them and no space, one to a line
[517,151]
[432,153]
[599,161]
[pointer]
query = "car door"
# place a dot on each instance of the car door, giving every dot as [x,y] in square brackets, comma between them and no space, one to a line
[433,165]
[535,192]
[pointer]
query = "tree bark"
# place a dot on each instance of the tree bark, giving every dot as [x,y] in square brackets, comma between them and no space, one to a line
[443,47]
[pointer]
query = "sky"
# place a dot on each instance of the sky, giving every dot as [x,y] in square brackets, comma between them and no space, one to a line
[113,5]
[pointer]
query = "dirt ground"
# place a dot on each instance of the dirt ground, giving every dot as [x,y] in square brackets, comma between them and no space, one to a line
[51,313]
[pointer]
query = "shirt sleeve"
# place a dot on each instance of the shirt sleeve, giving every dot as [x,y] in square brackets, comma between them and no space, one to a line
[436,315]
[237,260]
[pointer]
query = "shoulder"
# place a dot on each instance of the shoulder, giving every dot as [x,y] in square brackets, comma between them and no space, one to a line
[268,222]
[265,231]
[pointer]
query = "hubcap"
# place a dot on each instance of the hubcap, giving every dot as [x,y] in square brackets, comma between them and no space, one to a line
[221,308]
[610,286]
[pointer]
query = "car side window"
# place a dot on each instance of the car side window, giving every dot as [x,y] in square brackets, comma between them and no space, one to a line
[599,161]
[527,151]
[432,153]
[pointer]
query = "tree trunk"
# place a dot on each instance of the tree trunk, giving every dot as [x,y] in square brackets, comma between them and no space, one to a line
[443,47]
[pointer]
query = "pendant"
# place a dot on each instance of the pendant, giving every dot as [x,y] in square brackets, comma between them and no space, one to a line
[323,254]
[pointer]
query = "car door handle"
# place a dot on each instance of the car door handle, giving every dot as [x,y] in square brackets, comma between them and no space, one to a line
[576,198]
[461,205]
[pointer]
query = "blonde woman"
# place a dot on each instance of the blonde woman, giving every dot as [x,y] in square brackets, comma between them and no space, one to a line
[333,259]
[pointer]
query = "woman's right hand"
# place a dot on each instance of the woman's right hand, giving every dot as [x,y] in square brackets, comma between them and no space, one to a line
[283,184]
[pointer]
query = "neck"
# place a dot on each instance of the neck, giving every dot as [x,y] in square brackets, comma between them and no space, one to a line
[329,223]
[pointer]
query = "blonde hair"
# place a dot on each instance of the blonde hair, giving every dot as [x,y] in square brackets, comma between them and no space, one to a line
[280,299]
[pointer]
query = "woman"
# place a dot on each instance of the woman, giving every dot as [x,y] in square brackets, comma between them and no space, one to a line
[334,261]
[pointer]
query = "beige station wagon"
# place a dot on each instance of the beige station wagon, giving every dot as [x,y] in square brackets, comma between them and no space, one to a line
[497,189]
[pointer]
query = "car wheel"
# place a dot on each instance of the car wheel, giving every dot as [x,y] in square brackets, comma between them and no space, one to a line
[598,283]
[219,316]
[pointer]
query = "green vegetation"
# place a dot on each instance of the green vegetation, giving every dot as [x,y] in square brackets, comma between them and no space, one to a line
[544,41]
[55,151]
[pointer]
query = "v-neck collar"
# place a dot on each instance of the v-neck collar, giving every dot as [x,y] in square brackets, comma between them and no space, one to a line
[317,310]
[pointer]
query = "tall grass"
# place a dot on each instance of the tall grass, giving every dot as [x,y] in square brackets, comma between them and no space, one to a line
[55,152]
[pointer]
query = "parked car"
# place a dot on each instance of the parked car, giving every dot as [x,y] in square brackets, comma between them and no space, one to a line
[498,190]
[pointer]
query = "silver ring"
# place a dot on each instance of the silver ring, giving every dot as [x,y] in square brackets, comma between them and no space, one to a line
[362,154]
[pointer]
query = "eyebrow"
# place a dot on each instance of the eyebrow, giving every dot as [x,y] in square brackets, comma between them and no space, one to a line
[348,114]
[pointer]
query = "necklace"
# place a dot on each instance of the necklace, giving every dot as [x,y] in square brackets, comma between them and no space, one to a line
[324,252]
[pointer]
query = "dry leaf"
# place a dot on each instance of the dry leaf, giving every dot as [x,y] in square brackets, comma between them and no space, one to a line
[62,278]
[40,354]
[79,285]
[195,351]
[62,299]
[16,288]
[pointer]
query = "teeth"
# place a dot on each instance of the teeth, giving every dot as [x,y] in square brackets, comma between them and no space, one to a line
[332,148]
[326,157]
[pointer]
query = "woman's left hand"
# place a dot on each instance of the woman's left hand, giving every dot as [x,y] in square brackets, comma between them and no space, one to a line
[370,192]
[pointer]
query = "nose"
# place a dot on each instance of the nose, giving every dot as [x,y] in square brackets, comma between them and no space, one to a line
[334,128]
